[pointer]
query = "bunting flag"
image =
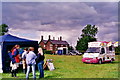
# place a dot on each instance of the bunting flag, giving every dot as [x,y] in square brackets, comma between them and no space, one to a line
[116,44]
[102,44]
[109,44]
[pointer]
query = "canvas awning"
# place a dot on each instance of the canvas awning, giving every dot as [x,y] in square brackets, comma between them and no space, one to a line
[8,41]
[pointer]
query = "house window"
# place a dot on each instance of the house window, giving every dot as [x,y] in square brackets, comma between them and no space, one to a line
[44,46]
[102,51]
[110,48]
[51,47]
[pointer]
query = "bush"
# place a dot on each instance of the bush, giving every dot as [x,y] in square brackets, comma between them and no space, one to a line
[47,52]
[117,53]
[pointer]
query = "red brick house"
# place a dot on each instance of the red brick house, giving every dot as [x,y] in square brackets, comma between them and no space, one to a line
[43,43]
[53,45]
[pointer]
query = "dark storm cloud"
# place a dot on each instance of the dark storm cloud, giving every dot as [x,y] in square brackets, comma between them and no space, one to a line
[81,13]
[48,12]
[106,11]
[61,17]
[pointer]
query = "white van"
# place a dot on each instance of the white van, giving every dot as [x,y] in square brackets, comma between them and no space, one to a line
[99,52]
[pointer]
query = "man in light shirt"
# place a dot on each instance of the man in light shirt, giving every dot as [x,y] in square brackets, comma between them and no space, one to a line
[30,61]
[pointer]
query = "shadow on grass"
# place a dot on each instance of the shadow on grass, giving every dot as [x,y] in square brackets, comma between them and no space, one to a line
[116,62]
[55,75]
[49,76]
[52,76]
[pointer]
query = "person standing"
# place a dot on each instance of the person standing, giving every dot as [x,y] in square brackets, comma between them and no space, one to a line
[24,59]
[30,61]
[10,57]
[14,60]
[40,61]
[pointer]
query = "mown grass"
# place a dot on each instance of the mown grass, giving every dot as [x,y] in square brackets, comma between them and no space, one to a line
[72,67]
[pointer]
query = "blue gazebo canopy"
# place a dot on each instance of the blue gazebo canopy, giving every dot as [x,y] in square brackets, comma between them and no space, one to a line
[11,38]
[8,41]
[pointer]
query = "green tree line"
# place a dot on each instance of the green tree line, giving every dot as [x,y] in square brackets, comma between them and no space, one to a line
[88,35]
[3,29]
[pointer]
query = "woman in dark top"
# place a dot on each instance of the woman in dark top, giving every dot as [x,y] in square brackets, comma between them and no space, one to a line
[40,61]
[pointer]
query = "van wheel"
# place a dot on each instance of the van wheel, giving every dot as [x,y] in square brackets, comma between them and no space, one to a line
[112,60]
[100,61]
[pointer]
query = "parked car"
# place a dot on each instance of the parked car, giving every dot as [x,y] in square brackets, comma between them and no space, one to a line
[78,53]
[74,52]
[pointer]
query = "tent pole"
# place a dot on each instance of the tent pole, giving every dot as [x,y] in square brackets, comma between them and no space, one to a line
[1,71]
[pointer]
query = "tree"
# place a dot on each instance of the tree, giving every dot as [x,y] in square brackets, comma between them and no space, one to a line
[88,35]
[89,31]
[3,29]
[70,48]
[117,50]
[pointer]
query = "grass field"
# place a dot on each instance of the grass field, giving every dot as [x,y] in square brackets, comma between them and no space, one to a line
[72,67]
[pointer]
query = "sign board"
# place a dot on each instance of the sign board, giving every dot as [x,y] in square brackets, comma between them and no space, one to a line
[94,44]
[51,66]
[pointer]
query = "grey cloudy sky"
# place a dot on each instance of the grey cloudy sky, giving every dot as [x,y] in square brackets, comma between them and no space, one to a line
[32,19]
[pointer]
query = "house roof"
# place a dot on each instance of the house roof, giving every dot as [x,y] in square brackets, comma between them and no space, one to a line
[59,42]
[45,41]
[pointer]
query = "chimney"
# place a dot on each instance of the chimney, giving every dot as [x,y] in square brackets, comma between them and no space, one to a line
[49,37]
[41,38]
[53,38]
[60,38]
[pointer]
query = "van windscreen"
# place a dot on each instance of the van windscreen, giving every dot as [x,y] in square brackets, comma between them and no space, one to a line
[93,50]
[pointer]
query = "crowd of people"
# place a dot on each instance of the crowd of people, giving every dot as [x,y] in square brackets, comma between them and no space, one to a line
[29,60]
